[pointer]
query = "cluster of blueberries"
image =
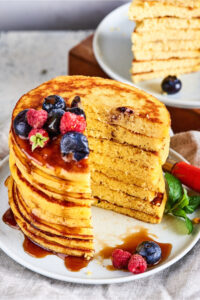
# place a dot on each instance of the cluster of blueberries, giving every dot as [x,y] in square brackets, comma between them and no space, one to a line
[71,142]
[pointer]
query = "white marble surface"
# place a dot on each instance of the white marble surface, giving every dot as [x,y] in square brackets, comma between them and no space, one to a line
[30,58]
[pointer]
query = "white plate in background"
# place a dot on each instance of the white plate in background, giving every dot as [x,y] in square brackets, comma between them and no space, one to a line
[112,49]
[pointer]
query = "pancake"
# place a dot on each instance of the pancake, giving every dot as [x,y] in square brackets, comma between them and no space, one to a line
[100,178]
[169,45]
[165,35]
[133,154]
[128,178]
[163,64]
[128,137]
[134,213]
[149,175]
[55,242]
[140,115]
[166,23]
[185,3]
[137,77]
[140,10]
[140,54]
[51,198]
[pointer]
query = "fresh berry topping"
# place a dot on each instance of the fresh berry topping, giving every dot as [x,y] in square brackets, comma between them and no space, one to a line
[52,125]
[36,118]
[171,85]
[137,264]
[120,258]
[38,138]
[76,101]
[53,102]
[72,122]
[74,146]
[21,126]
[77,111]
[150,251]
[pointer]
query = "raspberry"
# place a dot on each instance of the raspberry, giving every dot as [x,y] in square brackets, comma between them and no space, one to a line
[72,122]
[38,138]
[120,258]
[137,264]
[36,118]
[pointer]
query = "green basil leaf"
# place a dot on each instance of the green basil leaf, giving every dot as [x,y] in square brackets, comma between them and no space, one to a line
[194,203]
[175,188]
[189,209]
[184,201]
[180,213]
[189,225]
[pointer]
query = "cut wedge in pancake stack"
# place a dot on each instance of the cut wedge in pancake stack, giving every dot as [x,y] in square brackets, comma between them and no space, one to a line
[166,38]
[50,192]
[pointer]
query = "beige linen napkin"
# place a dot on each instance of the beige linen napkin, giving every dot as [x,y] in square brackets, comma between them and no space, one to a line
[180,281]
[188,145]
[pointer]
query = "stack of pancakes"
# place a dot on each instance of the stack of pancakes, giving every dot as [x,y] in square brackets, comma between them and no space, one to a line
[128,135]
[166,39]
[50,198]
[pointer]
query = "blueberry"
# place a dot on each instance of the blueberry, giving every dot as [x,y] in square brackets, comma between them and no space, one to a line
[21,126]
[53,102]
[171,85]
[52,124]
[74,143]
[76,111]
[150,251]
[76,101]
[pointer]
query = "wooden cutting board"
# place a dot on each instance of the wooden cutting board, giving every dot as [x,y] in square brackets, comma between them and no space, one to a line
[83,62]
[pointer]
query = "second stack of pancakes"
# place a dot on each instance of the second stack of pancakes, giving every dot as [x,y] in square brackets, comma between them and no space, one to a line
[166,39]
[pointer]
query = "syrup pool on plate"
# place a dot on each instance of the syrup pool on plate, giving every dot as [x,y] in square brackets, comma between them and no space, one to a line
[129,243]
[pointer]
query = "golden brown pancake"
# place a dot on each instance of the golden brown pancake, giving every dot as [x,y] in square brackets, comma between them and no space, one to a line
[166,38]
[128,134]
[142,9]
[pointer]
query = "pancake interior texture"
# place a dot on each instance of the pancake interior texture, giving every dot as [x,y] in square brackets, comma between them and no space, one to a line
[128,135]
[165,39]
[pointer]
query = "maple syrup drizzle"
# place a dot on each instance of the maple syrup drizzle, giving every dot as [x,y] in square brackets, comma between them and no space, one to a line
[75,264]
[34,250]
[130,242]
[9,219]
[72,263]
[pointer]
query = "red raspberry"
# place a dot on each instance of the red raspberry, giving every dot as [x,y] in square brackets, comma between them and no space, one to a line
[38,138]
[120,258]
[36,118]
[137,264]
[72,122]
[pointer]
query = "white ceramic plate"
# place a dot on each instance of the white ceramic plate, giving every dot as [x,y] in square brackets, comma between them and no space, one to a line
[112,48]
[108,226]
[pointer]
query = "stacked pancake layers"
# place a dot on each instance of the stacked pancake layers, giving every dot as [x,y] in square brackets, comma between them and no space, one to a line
[128,135]
[166,39]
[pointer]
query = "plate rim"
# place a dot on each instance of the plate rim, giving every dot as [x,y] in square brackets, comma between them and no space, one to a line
[90,281]
[170,102]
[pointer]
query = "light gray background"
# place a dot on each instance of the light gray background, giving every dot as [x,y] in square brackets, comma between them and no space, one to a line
[54,14]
